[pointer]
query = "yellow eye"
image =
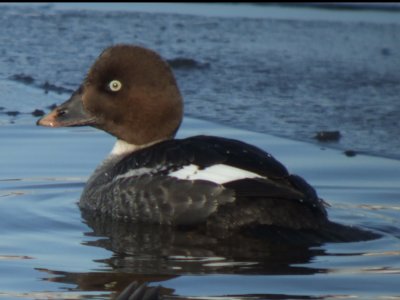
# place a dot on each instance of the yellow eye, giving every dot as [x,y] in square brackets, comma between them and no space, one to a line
[115,85]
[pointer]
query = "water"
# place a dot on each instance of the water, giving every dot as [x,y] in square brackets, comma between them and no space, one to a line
[49,251]
[292,73]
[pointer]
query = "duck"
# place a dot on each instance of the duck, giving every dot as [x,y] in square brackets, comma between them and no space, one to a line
[150,176]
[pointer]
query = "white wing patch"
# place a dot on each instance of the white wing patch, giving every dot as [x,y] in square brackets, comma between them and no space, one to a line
[217,173]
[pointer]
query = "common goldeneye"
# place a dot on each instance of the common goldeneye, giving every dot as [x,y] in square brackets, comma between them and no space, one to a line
[131,93]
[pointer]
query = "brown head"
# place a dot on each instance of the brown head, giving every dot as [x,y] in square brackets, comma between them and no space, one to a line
[130,92]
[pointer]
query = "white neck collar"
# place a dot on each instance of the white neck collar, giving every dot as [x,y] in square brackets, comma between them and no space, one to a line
[121,147]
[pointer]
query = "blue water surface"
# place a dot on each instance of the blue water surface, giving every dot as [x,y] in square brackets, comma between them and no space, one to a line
[271,80]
